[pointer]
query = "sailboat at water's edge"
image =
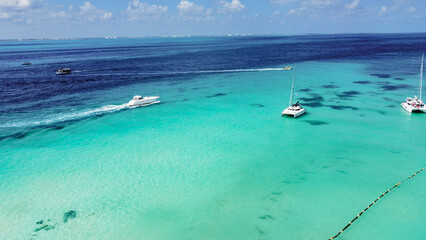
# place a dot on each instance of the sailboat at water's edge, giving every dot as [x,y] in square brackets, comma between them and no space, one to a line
[416,104]
[295,109]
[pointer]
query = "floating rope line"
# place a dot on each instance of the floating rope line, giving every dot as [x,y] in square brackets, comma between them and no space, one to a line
[383,194]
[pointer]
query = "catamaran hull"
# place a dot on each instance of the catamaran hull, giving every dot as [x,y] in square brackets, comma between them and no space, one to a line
[293,113]
[412,109]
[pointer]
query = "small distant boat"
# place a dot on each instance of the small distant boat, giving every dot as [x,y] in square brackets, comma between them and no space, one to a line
[26,63]
[295,109]
[63,71]
[143,101]
[416,104]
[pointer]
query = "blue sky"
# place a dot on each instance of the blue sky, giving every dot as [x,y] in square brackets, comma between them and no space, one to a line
[99,18]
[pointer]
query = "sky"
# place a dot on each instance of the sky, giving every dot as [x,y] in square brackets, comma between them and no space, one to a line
[137,18]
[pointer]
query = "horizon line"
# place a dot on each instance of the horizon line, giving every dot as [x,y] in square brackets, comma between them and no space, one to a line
[204,35]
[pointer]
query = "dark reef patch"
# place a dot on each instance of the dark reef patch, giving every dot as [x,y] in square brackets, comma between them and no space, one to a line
[305,90]
[316,122]
[260,231]
[347,94]
[19,135]
[216,95]
[390,106]
[276,193]
[329,86]
[198,88]
[314,101]
[265,217]
[45,227]
[257,105]
[382,112]
[315,98]
[391,87]
[362,82]
[40,222]
[399,79]
[313,104]
[54,127]
[69,215]
[381,75]
[338,107]
[342,171]
[390,100]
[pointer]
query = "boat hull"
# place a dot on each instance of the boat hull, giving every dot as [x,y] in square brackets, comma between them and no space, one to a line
[144,102]
[412,109]
[293,113]
[144,105]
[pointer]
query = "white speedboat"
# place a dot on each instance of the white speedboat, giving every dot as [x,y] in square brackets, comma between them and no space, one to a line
[143,101]
[296,109]
[416,104]
[63,71]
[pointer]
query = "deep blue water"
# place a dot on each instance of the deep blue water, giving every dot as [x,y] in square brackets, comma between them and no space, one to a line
[100,64]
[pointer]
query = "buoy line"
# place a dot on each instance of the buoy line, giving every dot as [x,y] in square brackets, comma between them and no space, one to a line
[371,204]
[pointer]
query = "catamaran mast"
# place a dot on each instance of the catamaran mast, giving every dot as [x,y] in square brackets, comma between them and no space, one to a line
[292,89]
[421,79]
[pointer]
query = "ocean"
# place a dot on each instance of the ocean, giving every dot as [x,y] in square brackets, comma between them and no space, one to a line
[215,159]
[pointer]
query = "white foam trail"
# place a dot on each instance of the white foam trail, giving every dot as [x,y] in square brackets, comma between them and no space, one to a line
[189,72]
[239,70]
[68,116]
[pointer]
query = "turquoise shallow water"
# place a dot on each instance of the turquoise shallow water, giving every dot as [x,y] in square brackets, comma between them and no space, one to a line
[215,160]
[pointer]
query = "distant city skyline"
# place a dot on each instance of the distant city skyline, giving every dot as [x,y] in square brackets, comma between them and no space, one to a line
[96,18]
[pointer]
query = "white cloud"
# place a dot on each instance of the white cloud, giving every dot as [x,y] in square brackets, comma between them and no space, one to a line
[292,11]
[317,3]
[383,10]
[107,15]
[411,9]
[90,13]
[312,6]
[87,7]
[189,8]
[4,15]
[137,10]
[20,4]
[233,6]
[352,5]
[281,2]
[16,9]
[190,11]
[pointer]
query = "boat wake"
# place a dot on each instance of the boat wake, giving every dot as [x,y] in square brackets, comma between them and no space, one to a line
[238,70]
[183,72]
[74,116]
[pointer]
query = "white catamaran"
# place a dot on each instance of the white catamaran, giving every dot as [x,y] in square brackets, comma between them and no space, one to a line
[416,104]
[296,109]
